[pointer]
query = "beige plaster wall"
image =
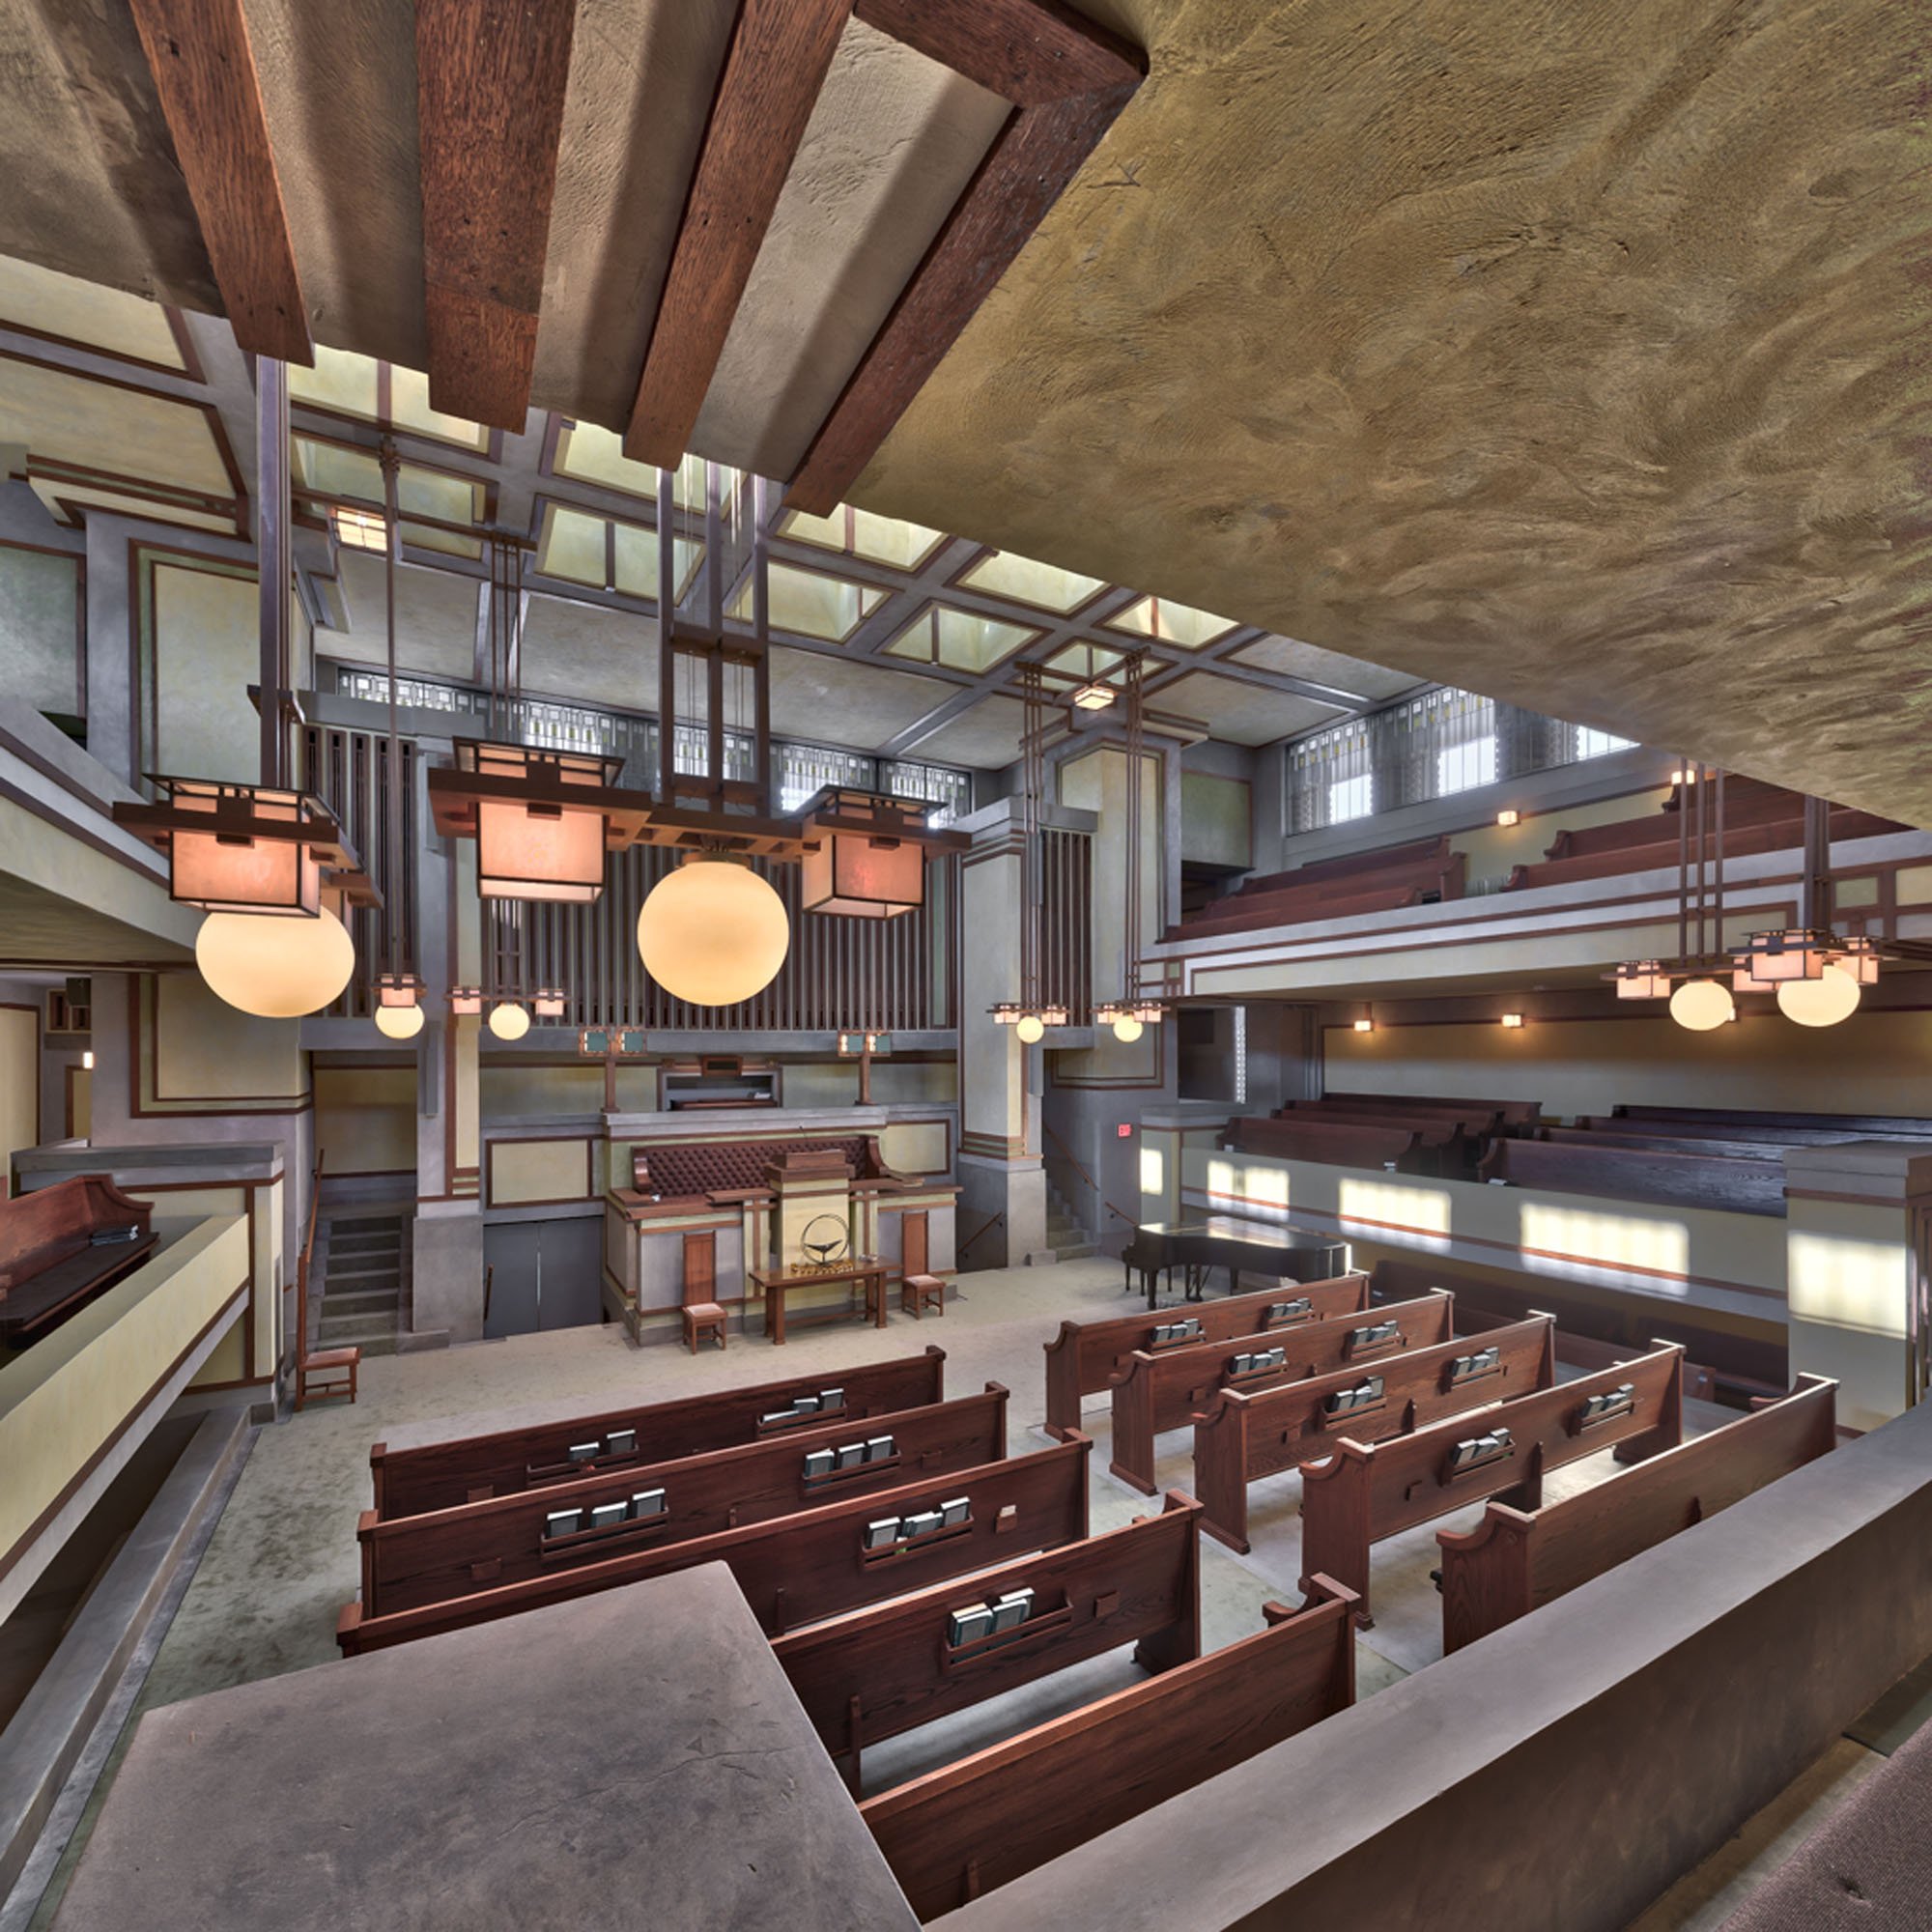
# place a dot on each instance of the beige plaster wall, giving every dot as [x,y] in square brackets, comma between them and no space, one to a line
[19,1086]
[207,653]
[365,1119]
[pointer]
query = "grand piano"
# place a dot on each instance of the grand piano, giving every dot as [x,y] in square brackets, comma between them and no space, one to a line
[1222,1240]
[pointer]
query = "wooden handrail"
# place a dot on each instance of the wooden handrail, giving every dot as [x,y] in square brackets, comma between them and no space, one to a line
[996,1215]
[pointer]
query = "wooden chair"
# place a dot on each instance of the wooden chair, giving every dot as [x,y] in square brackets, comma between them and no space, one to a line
[703,1313]
[320,1373]
[918,1290]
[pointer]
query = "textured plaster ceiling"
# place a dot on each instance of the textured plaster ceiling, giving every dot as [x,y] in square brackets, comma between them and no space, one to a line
[1242,713]
[54,930]
[436,617]
[1574,355]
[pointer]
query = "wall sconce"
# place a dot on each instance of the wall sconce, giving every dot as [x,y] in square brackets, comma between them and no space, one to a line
[1365,1023]
[87,1061]
[1513,1021]
[1508,815]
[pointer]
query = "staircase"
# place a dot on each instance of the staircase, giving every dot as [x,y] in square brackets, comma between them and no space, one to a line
[1064,1235]
[364,1256]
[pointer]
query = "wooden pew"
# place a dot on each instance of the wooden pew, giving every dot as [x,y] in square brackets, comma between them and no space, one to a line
[960,1832]
[1738,1186]
[1516,1560]
[1334,1143]
[797,1569]
[1085,1356]
[415,1560]
[1155,1392]
[1473,1120]
[1589,1134]
[1366,1490]
[871,1675]
[1844,1126]
[51,1262]
[1352,864]
[1240,1438]
[1508,1114]
[468,1469]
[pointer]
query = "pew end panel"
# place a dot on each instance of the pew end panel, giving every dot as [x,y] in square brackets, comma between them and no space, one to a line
[963,1831]
[1485,1578]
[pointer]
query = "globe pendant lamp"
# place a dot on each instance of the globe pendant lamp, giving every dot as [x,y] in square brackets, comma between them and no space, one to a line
[713,933]
[274,967]
[399,1022]
[1701,1005]
[1032,1029]
[508,1020]
[1834,996]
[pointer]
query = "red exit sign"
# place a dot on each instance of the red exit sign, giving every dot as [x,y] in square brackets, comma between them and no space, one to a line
[1126,1132]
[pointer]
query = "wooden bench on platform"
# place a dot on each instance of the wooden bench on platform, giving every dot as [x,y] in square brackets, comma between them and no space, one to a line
[1368,1490]
[467,1468]
[415,1560]
[1241,1439]
[1738,1186]
[1334,1143]
[1085,1356]
[796,1570]
[1154,1392]
[61,1245]
[1516,1560]
[960,1832]
[876,1673]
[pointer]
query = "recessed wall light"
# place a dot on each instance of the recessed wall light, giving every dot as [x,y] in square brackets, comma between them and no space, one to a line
[1508,815]
[1365,1025]
[1513,1021]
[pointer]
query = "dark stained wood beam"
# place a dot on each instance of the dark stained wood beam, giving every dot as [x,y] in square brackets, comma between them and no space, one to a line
[1028,51]
[1036,155]
[773,71]
[204,71]
[490,85]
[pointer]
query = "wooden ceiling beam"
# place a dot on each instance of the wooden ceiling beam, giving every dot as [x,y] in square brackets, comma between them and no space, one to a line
[490,84]
[773,71]
[1027,51]
[205,75]
[1040,150]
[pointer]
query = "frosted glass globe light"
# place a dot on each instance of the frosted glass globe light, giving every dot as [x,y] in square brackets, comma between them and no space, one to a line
[510,1021]
[1823,1002]
[1127,1029]
[1032,1029]
[272,966]
[1701,1005]
[399,1022]
[712,933]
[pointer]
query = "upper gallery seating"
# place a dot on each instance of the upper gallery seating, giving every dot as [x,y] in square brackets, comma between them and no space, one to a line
[1412,1135]
[61,1246]
[1417,873]
[1757,818]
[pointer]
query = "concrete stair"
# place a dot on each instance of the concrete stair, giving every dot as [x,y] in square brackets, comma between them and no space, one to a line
[363,1283]
[1064,1235]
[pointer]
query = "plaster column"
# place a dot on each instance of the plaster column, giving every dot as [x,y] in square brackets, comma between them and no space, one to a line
[446,1292]
[1858,1218]
[1001,1184]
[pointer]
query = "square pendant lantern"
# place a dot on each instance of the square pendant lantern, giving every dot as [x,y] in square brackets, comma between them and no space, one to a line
[866,854]
[1796,953]
[245,849]
[542,820]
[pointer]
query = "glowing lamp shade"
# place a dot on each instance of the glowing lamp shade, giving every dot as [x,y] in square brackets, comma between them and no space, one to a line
[862,877]
[1640,979]
[1127,1029]
[234,874]
[1032,1029]
[510,1021]
[1701,1005]
[538,852]
[399,1022]
[712,933]
[271,966]
[1823,1002]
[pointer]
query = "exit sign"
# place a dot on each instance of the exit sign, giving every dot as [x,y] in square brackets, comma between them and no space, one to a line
[1126,1132]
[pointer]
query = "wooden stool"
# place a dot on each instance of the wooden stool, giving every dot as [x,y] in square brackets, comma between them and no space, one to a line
[921,1291]
[702,1315]
[332,1371]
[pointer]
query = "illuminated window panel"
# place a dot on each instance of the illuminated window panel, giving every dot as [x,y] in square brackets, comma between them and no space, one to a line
[1167,623]
[360,530]
[336,469]
[1089,663]
[49,303]
[588,454]
[409,410]
[341,381]
[811,605]
[960,639]
[1002,573]
[572,544]
[859,534]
